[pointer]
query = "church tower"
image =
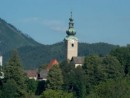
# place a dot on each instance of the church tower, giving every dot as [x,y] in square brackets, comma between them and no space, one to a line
[71,40]
[1,60]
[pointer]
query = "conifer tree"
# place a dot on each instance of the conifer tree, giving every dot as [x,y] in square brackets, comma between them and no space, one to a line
[55,78]
[14,71]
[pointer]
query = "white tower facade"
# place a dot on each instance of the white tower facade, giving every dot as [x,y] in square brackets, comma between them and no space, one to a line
[71,41]
[72,47]
[1,60]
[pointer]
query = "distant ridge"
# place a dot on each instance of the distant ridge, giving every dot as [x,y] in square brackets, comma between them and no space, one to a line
[33,57]
[34,54]
[11,38]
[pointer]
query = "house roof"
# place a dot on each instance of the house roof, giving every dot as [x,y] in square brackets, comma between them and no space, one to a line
[31,73]
[43,74]
[78,60]
[53,62]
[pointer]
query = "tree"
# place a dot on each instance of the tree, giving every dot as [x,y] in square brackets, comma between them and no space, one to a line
[119,88]
[55,78]
[79,82]
[56,94]
[9,89]
[94,70]
[41,86]
[123,55]
[68,77]
[99,69]
[74,79]
[112,68]
[31,86]
[14,71]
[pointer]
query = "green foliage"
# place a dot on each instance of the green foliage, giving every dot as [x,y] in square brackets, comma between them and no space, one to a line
[34,56]
[95,49]
[41,87]
[123,55]
[11,38]
[67,68]
[55,78]
[9,89]
[79,82]
[112,68]
[94,70]
[49,93]
[31,85]
[14,72]
[74,79]
[100,69]
[112,89]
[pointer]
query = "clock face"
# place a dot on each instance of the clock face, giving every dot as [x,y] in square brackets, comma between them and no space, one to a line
[72,41]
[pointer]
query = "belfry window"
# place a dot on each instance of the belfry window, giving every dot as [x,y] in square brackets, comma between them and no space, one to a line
[72,45]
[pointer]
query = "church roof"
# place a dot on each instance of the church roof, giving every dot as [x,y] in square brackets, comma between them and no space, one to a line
[53,62]
[78,60]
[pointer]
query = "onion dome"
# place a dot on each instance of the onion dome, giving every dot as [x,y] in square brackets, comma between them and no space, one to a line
[71,30]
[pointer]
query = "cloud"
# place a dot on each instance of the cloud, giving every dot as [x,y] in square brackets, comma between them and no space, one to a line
[54,25]
[31,20]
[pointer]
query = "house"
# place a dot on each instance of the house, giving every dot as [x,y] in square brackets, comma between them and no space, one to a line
[53,62]
[42,75]
[32,74]
[77,61]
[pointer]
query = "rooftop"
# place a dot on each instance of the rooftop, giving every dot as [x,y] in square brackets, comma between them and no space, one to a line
[78,60]
[53,62]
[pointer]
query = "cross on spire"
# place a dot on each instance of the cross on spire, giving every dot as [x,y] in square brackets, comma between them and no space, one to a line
[71,14]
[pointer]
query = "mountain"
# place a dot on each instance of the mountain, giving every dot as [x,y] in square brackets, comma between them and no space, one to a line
[11,38]
[33,57]
[34,54]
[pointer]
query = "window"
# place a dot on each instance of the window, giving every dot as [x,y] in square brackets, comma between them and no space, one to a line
[72,45]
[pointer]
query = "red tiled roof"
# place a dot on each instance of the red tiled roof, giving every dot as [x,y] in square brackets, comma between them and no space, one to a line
[31,73]
[53,62]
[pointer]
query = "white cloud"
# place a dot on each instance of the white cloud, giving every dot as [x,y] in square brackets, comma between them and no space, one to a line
[31,20]
[54,25]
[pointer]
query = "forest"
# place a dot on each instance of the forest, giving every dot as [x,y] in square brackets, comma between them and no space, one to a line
[35,56]
[100,77]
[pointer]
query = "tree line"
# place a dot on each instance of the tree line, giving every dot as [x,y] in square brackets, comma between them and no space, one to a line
[35,56]
[100,77]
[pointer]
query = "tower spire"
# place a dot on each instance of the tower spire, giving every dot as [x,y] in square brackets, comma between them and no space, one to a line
[71,14]
[71,30]
[71,40]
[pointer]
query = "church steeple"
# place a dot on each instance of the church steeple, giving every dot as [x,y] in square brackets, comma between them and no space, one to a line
[71,30]
[71,40]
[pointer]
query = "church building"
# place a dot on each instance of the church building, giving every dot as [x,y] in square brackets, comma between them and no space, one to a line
[71,42]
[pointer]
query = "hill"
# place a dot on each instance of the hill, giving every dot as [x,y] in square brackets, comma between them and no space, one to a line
[33,54]
[33,57]
[11,38]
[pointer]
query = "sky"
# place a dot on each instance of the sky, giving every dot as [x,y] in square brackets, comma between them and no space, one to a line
[46,21]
